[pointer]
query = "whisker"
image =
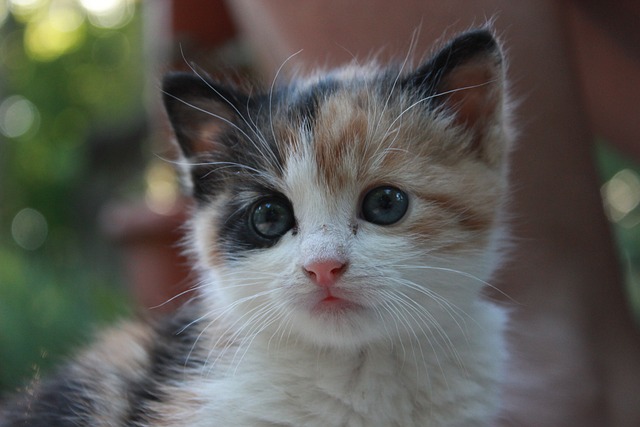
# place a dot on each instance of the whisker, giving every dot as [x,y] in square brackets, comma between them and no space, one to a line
[259,325]
[237,331]
[379,117]
[235,109]
[462,273]
[219,313]
[443,303]
[271,89]
[173,298]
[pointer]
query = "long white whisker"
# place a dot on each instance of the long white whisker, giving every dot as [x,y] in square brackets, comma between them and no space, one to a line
[218,313]
[271,89]
[412,46]
[173,298]
[214,115]
[266,319]
[234,108]
[430,319]
[237,330]
[402,307]
[462,273]
[427,98]
[443,303]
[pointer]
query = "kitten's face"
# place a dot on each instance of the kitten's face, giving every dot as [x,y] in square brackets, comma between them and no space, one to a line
[352,208]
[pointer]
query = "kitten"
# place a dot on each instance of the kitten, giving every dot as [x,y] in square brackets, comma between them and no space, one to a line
[345,227]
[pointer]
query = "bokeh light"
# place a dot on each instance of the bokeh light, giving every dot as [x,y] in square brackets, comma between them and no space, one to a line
[22,9]
[45,43]
[54,35]
[18,116]
[29,229]
[101,6]
[621,194]
[162,187]
[65,16]
[109,13]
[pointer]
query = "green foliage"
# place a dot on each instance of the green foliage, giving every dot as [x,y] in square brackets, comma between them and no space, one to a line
[47,310]
[65,76]
[99,82]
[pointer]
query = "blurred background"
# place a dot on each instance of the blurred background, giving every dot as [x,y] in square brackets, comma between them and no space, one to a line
[90,207]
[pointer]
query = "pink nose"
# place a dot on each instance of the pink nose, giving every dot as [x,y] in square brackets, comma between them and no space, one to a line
[325,273]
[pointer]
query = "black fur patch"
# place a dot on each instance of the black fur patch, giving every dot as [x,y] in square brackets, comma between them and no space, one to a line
[426,80]
[61,401]
[221,132]
[304,105]
[171,355]
[245,140]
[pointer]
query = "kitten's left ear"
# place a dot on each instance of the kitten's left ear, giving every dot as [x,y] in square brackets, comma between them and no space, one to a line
[200,112]
[466,78]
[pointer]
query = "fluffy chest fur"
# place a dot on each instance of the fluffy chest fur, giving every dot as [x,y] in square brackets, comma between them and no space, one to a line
[290,384]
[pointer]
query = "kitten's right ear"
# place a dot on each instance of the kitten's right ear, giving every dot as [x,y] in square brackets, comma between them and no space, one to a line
[199,111]
[466,77]
[466,80]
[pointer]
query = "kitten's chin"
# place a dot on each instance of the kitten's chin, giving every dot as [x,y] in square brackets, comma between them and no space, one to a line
[332,305]
[334,322]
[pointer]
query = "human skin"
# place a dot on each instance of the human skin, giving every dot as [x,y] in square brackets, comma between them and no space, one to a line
[575,349]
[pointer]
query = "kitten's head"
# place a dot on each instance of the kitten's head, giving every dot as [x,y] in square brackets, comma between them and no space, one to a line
[356,206]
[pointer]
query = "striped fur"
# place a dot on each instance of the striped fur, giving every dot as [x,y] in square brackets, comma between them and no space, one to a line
[411,341]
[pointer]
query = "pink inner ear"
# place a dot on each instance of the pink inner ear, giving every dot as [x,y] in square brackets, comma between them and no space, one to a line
[474,92]
[205,140]
[208,121]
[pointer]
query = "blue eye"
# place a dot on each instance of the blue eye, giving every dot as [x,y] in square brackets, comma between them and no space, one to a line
[272,218]
[385,205]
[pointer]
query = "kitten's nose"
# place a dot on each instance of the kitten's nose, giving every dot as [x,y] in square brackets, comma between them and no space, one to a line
[325,273]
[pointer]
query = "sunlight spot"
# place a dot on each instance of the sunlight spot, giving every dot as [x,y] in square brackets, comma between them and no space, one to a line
[25,7]
[24,11]
[108,13]
[64,17]
[621,194]
[29,229]
[48,38]
[30,4]
[18,116]
[162,188]
[101,6]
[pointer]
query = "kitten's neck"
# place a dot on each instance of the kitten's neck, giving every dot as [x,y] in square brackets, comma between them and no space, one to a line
[409,362]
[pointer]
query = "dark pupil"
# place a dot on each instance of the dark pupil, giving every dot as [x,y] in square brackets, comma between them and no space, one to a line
[384,205]
[272,219]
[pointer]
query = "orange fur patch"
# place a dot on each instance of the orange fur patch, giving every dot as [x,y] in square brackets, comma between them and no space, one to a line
[340,134]
[465,215]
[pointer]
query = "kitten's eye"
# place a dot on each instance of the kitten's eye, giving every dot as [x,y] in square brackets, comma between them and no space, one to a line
[272,218]
[385,205]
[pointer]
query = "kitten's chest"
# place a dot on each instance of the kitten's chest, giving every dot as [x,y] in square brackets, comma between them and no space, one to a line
[325,390]
[404,384]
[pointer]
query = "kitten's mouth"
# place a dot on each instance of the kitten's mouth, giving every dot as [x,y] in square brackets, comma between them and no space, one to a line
[332,303]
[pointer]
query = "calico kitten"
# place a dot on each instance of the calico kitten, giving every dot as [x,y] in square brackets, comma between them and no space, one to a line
[344,229]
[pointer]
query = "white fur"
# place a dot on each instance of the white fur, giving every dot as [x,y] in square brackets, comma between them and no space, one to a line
[295,384]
